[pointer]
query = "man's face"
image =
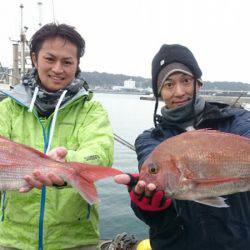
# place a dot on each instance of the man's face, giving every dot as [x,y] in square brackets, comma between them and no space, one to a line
[56,63]
[178,89]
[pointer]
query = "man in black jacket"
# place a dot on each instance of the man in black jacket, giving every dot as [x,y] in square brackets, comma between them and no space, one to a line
[176,224]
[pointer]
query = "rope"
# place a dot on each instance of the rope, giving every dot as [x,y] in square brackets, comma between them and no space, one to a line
[121,241]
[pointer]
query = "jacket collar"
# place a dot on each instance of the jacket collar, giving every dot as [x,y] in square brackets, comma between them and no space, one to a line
[19,94]
[213,112]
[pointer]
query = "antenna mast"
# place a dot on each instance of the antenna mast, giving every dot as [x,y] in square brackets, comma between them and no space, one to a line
[40,13]
[53,8]
[23,42]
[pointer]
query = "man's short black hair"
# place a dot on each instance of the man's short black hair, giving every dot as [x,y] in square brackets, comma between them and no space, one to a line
[52,30]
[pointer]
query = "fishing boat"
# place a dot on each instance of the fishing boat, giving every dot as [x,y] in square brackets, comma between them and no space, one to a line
[236,101]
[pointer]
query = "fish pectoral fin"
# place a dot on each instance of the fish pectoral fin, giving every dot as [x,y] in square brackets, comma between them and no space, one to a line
[214,202]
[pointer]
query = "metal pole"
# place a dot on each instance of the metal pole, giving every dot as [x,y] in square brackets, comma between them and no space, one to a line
[23,41]
[53,8]
[15,73]
[21,7]
[40,13]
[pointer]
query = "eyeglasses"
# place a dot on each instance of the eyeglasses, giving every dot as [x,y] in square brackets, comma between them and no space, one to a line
[170,84]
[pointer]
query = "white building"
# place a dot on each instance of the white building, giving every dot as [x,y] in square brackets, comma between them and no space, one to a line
[129,84]
[117,88]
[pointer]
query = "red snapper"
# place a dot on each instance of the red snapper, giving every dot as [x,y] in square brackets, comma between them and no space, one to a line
[200,166]
[18,160]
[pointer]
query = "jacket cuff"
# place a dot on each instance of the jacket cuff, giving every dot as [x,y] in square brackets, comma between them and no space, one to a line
[60,186]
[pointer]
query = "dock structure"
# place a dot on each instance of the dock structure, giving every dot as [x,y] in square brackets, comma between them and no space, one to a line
[231,100]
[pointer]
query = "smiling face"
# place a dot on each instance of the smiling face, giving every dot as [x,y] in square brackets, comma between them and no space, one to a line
[178,89]
[56,63]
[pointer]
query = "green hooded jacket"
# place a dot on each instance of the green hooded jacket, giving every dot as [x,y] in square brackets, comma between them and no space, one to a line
[54,218]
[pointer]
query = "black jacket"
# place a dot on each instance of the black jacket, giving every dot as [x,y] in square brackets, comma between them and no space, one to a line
[187,225]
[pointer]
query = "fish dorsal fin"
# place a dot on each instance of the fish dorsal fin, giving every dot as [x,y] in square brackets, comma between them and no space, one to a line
[2,138]
[207,130]
[213,131]
[214,202]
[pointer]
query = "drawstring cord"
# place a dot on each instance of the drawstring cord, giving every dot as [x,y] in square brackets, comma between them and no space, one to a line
[32,103]
[54,120]
[193,103]
[42,204]
[52,128]
[155,110]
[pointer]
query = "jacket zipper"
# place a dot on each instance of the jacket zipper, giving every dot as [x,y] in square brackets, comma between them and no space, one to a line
[3,199]
[43,194]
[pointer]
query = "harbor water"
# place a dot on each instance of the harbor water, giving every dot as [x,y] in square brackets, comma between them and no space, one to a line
[129,116]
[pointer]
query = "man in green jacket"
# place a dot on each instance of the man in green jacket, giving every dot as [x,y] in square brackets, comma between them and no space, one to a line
[52,111]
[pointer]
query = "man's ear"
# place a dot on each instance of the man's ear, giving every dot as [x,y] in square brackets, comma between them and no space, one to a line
[198,86]
[34,59]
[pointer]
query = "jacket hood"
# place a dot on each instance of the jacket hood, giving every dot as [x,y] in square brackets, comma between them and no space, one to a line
[19,94]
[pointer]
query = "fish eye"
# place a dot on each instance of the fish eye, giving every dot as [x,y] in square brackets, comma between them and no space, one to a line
[153,169]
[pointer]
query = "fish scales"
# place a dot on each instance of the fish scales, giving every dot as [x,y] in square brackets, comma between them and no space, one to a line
[200,164]
[18,160]
[209,153]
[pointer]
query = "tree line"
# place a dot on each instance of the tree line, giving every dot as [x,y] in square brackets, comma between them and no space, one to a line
[107,81]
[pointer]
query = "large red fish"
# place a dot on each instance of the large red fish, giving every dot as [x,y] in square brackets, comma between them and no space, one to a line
[200,165]
[18,160]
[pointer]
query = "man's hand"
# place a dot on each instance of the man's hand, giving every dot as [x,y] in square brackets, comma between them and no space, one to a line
[144,196]
[58,154]
[140,187]
[38,179]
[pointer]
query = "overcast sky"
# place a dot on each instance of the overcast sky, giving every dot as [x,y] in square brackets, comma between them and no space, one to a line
[122,36]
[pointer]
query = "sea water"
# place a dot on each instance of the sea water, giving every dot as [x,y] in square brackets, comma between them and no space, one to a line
[129,116]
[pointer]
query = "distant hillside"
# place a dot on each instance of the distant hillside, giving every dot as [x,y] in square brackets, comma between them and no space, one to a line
[231,86]
[107,81]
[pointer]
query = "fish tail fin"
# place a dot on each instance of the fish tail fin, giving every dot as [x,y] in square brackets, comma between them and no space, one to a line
[82,176]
